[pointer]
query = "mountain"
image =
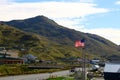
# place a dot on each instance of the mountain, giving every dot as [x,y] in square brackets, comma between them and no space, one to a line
[57,34]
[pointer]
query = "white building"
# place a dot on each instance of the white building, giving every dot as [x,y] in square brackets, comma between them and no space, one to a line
[112,71]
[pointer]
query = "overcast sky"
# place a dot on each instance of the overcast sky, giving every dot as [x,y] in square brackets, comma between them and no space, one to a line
[99,17]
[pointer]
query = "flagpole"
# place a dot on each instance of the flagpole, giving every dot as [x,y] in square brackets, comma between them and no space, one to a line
[83,65]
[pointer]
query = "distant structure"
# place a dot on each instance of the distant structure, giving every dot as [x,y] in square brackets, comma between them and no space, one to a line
[95,61]
[7,59]
[10,60]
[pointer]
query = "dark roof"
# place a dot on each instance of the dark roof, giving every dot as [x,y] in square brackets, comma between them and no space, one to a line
[10,58]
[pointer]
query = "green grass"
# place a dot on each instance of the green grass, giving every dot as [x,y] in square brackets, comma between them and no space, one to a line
[61,78]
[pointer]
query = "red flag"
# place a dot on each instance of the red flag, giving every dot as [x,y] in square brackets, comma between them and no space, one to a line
[79,43]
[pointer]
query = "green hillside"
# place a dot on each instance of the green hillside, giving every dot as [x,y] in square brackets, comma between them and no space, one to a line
[44,49]
[12,37]
[60,40]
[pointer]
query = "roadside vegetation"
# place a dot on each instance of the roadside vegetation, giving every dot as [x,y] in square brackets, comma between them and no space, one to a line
[7,70]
